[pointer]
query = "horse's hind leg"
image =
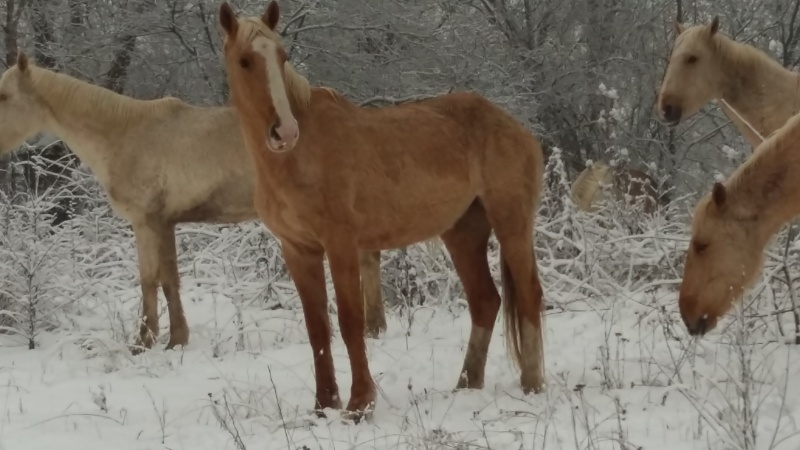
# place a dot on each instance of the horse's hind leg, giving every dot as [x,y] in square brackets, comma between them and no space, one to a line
[147,242]
[170,283]
[511,218]
[467,244]
[370,268]
[522,293]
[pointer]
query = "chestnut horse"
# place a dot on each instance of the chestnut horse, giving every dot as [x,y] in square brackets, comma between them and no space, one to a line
[706,65]
[631,186]
[333,178]
[733,224]
[161,162]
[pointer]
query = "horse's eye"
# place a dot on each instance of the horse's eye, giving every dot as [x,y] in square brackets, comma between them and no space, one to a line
[244,63]
[691,59]
[3,97]
[699,246]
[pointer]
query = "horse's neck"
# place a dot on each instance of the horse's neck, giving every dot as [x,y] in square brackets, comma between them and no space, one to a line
[763,93]
[85,117]
[770,181]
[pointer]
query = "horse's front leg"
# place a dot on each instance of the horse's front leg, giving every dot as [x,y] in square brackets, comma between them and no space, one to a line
[343,258]
[308,273]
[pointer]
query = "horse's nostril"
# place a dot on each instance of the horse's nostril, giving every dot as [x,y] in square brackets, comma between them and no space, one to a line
[273,133]
[671,113]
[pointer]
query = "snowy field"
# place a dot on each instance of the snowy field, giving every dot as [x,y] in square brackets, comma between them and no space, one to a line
[622,372]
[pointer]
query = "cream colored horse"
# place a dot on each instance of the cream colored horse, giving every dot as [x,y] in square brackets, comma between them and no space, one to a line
[161,162]
[707,65]
[631,186]
[732,225]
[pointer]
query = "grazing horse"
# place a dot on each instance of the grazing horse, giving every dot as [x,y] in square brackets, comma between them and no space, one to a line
[333,178]
[733,224]
[706,65]
[631,186]
[161,162]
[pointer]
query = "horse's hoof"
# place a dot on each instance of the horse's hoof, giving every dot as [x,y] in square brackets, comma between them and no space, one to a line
[375,327]
[465,382]
[533,384]
[361,406]
[178,336]
[136,349]
[332,401]
[356,415]
[173,342]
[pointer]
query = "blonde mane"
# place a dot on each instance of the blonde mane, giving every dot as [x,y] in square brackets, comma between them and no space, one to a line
[82,97]
[297,86]
[735,55]
[779,149]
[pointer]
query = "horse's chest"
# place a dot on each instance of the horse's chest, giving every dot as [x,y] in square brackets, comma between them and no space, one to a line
[283,215]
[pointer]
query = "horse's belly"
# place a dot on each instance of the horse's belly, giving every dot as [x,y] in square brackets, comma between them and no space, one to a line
[407,224]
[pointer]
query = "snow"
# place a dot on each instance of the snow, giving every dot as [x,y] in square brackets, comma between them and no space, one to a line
[66,396]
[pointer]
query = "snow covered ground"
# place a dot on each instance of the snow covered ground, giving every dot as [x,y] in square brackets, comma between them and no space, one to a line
[622,372]
[641,395]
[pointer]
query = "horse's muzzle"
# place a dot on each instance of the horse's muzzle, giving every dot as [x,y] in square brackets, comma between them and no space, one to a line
[698,328]
[671,114]
[282,137]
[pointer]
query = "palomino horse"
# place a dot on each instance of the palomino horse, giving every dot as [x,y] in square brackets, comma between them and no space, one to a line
[333,178]
[162,162]
[733,224]
[631,186]
[707,65]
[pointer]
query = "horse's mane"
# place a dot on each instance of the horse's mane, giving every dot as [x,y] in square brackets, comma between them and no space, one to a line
[297,86]
[53,87]
[777,149]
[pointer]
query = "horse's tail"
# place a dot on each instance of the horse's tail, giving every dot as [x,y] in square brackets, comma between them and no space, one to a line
[514,313]
[513,327]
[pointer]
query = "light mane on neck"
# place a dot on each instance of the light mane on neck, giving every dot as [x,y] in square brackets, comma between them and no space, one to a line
[757,87]
[769,171]
[744,60]
[63,92]
[297,86]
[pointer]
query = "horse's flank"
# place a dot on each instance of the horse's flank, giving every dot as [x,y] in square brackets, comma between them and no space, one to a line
[631,186]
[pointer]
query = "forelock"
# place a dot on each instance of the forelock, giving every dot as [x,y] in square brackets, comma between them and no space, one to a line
[252,27]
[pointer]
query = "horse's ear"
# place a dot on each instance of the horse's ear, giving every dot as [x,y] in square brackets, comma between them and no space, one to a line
[678,28]
[22,61]
[227,19]
[271,15]
[714,27]
[719,194]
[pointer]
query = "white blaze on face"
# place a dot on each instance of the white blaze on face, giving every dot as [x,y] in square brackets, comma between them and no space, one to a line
[284,136]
